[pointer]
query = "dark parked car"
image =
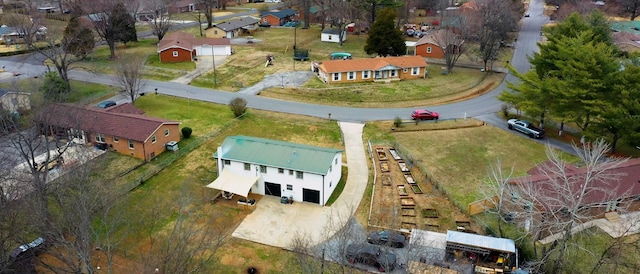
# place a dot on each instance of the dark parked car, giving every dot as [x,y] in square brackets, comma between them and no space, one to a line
[371,255]
[387,238]
[422,114]
[264,24]
[106,104]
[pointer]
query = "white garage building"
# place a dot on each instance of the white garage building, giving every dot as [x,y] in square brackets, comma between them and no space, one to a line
[270,167]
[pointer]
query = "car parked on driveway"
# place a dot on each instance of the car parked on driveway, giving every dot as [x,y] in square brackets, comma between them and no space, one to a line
[421,114]
[371,255]
[106,104]
[387,238]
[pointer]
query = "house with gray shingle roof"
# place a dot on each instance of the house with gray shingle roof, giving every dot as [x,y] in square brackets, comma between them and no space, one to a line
[283,169]
[233,28]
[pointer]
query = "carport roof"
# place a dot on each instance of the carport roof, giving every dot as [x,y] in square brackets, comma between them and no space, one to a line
[273,153]
[234,183]
[237,23]
[480,241]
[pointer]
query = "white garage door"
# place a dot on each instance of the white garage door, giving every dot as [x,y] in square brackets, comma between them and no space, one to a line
[206,51]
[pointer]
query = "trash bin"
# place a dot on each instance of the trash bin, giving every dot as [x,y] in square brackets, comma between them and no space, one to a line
[284,200]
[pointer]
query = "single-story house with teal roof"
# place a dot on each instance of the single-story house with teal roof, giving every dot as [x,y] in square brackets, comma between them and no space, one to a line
[269,167]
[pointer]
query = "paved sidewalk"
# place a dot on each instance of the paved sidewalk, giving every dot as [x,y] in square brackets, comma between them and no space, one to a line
[275,224]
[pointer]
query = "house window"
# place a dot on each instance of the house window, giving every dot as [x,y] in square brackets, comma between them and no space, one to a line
[330,168]
[299,175]
[263,169]
[280,171]
[100,138]
[336,76]
[330,36]
[377,74]
[336,161]
[393,73]
[166,132]
[415,71]
[247,166]
[351,75]
[131,144]
[175,53]
[153,139]
[366,74]
[290,172]
[227,162]
[289,187]
[428,49]
[330,183]
[115,139]
[215,32]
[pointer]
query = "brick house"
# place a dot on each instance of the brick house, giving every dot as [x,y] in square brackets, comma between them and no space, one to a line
[431,45]
[602,196]
[120,128]
[278,18]
[184,47]
[371,69]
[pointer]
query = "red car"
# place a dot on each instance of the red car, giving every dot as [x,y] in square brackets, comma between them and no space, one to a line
[422,114]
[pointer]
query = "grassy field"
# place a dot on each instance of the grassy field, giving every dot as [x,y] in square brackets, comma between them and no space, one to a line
[459,159]
[189,174]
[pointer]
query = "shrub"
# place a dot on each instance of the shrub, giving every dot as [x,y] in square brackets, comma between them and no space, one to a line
[186,132]
[238,106]
[397,122]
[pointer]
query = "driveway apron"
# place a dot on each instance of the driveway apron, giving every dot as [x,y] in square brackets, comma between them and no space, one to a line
[275,224]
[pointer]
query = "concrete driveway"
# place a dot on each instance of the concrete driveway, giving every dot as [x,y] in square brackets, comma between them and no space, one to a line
[275,224]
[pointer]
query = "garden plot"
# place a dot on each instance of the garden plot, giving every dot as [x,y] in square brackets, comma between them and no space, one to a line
[403,199]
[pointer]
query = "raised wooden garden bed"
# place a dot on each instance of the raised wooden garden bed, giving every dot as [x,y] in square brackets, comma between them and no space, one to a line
[409,179]
[463,226]
[429,213]
[395,154]
[409,212]
[407,202]
[386,180]
[432,227]
[384,166]
[403,166]
[382,156]
[408,225]
[402,191]
[416,189]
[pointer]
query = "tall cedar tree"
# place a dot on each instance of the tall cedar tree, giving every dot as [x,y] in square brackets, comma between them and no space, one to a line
[78,38]
[124,24]
[384,38]
[578,79]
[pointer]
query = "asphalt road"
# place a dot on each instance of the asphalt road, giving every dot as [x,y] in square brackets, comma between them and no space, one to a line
[482,107]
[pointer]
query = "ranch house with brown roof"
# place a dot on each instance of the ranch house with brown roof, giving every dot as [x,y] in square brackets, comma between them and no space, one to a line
[372,69]
[120,128]
[184,47]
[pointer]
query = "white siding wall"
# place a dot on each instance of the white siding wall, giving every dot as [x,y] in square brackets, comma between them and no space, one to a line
[218,50]
[309,181]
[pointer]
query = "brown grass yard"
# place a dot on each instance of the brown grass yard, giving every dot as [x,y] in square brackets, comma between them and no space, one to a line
[458,159]
[434,90]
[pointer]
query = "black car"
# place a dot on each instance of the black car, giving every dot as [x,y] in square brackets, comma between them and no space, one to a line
[387,238]
[371,255]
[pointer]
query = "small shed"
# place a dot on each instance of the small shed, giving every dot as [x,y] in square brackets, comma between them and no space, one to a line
[488,253]
[333,35]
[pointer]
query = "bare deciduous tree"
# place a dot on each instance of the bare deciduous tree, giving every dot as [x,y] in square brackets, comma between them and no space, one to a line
[161,22]
[207,7]
[452,42]
[186,245]
[497,191]
[563,200]
[129,76]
